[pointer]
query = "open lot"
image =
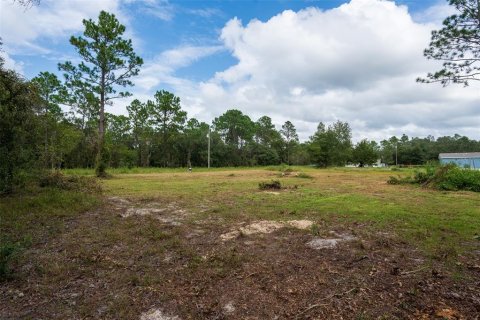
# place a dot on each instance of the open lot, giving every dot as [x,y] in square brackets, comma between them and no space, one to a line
[169,244]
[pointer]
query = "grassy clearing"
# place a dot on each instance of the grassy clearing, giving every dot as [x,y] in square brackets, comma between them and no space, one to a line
[435,221]
[111,263]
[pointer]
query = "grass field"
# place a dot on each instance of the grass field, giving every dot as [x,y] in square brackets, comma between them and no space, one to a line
[211,245]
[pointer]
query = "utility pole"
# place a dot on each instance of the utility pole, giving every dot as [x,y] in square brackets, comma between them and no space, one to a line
[209,147]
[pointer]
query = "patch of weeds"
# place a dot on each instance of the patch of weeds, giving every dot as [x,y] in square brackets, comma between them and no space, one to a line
[272,185]
[58,180]
[224,263]
[288,212]
[154,233]
[303,175]
[399,180]
[359,244]
[383,242]
[362,316]
[231,175]
[173,243]
[195,261]
[7,253]
[446,252]
[315,229]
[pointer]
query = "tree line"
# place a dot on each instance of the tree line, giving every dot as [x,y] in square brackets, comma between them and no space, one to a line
[36,133]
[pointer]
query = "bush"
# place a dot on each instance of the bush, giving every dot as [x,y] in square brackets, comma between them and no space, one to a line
[460,179]
[400,180]
[274,184]
[446,177]
[60,181]
[303,175]
[7,251]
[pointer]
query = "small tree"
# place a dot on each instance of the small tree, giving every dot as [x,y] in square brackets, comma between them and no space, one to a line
[458,45]
[108,62]
[169,118]
[290,137]
[365,153]
[332,145]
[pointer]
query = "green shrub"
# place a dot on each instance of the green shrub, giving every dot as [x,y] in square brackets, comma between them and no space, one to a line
[303,175]
[60,181]
[274,184]
[460,179]
[400,180]
[7,251]
[446,177]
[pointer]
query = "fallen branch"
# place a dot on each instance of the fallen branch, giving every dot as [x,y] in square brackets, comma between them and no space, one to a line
[413,271]
[313,306]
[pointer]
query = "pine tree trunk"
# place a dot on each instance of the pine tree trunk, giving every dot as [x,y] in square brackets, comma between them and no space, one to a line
[101,164]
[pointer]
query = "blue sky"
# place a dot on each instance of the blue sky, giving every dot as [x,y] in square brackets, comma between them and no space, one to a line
[304,61]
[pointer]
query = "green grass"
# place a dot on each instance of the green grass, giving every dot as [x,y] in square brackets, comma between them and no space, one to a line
[434,221]
[439,223]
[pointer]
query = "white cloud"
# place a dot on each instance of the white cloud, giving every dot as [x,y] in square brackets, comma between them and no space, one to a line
[435,14]
[159,73]
[356,63]
[21,28]
[161,69]
[205,12]
[161,9]
[10,63]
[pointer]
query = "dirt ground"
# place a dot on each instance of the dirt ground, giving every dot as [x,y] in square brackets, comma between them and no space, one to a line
[148,260]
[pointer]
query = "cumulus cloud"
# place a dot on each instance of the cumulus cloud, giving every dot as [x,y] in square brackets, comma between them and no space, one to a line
[356,63]
[161,69]
[9,63]
[22,28]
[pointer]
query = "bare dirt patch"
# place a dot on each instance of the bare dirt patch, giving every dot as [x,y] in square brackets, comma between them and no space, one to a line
[157,314]
[169,213]
[265,226]
[329,243]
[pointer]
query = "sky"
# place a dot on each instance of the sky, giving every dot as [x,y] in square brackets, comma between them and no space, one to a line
[304,61]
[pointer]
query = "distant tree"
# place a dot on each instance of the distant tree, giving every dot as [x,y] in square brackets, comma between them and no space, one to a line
[109,61]
[387,150]
[139,115]
[235,127]
[365,153]
[290,138]
[52,94]
[331,146]
[118,141]
[457,44]
[194,142]
[168,118]
[237,130]
[265,132]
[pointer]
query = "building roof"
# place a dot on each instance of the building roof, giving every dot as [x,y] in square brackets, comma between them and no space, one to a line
[459,155]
